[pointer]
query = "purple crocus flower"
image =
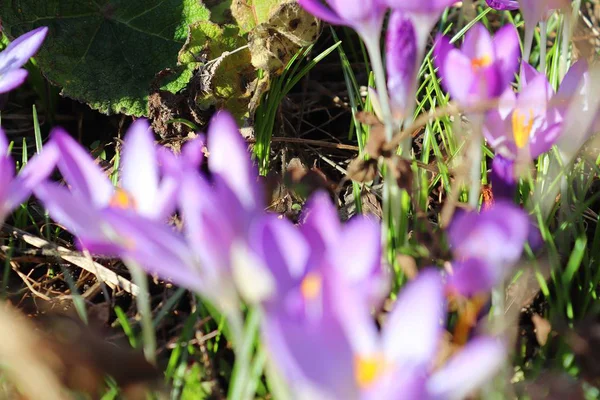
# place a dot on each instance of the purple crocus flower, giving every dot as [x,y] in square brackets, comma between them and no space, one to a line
[423,14]
[338,353]
[217,214]
[525,125]
[503,5]
[16,188]
[16,54]
[486,246]
[402,64]
[294,256]
[365,17]
[142,189]
[483,68]
[576,92]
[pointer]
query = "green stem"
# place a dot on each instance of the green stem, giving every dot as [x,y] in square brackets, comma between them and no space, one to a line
[564,47]
[476,156]
[144,308]
[374,50]
[528,42]
[243,345]
[543,44]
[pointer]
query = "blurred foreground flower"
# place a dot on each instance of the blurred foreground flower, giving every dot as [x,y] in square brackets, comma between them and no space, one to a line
[333,350]
[294,258]
[486,246]
[15,189]
[90,192]
[16,54]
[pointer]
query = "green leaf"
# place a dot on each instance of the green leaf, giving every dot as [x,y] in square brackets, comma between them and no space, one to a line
[106,53]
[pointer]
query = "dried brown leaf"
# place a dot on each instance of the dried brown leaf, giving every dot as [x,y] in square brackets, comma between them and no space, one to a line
[543,328]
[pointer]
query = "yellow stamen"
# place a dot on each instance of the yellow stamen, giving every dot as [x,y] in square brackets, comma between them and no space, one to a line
[311,286]
[481,62]
[368,369]
[521,127]
[122,199]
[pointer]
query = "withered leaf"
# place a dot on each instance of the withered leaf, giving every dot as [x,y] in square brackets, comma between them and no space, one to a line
[83,359]
[360,170]
[401,171]
[542,328]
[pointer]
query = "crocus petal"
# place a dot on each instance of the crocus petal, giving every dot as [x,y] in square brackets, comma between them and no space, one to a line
[311,353]
[357,256]
[156,248]
[68,210]
[441,50]
[37,170]
[413,328]
[478,44]
[12,79]
[85,178]
[473,276]
[420,6]
[20,50]
[206,227]
[508,52]
[457,64]
[401,62]
[270,237]
[229,159]
[139,168]
[319,10]
[503,5]
[543,140]
[503,179]
[471,233]
[473,367]
[193,151]
[320,218]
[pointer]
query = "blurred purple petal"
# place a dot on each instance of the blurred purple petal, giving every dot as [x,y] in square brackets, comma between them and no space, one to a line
[319,10]
[12,79]
[77,216]
[468,370]
[139,168]
[503,5]
[401,63]
[85,178]
[229,158]
[413,328]
[503,179]
[283,249]
[20,50]
[357,257]
[37,170]
[473,276]
[496,235]
[508,53]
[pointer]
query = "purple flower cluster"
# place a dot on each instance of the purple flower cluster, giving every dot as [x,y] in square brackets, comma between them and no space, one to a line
[318,283]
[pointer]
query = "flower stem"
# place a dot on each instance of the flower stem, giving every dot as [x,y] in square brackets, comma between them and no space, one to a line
[564,47]
[390,195]
[528,42]
[476,156]
[243,345]
[543,44]
[374,50]
[144,308]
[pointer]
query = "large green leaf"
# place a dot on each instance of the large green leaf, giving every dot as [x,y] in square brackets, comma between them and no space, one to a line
[106,53]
